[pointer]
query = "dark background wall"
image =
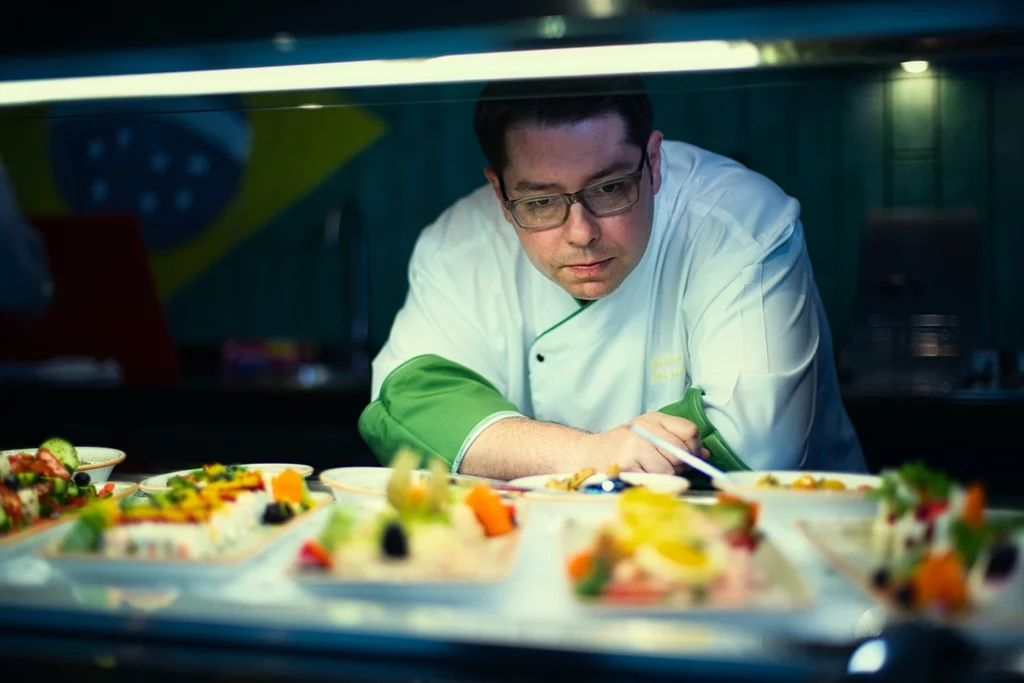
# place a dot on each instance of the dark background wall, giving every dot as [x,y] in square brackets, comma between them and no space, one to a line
[842,142]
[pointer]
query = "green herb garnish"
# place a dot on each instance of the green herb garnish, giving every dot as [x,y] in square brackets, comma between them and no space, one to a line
[925,481]
[891,493]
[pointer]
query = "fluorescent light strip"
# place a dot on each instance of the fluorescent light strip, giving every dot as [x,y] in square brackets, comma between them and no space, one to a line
[558,62]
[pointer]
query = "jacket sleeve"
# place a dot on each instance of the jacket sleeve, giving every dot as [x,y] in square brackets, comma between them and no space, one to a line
[440,379]
[691,408]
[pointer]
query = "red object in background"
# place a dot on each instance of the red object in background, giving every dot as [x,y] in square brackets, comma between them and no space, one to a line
[105,303]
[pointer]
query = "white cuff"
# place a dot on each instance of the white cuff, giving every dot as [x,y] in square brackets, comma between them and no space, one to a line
[477,431]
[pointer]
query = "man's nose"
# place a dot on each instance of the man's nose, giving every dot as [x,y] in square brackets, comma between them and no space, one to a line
[581,228]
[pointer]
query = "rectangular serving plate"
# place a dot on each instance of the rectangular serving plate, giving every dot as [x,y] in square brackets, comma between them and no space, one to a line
[419,589]
[846,545]
[228,563]
[784,591]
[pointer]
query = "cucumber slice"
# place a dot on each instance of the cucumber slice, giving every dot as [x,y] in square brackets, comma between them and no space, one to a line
[63,451]
[60,486]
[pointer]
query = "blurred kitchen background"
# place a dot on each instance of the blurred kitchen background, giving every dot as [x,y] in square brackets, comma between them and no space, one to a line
[226,266]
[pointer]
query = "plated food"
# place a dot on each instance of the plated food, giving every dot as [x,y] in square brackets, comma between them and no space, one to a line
[162,483]
[808,482]
[930,546]
[193,521]
[934,546]
[42,485]
[658,550]
[426,531]
[797,494]
[588,483]
[583,481]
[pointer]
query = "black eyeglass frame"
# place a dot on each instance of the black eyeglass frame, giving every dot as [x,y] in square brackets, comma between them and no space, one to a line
[576,197]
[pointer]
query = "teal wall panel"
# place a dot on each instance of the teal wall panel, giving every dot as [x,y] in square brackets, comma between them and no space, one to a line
[843,142]
[964,173]
[1008,209]
[913,183]
[913,112]
[862,154]
[771,111]
[818,179]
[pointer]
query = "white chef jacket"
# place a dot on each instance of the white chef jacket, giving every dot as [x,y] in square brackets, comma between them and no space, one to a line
[723,299]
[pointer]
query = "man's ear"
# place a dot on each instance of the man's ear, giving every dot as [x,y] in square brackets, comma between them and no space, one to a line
[654,158]
[492,178]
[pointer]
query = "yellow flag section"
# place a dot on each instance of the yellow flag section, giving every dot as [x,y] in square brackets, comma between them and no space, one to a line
[293,151]
[25,150]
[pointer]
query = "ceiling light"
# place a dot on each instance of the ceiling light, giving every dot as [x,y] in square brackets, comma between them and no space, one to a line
[559,62]
[918,66]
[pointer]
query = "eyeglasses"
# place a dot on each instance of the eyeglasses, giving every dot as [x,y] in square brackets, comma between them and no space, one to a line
[606,198]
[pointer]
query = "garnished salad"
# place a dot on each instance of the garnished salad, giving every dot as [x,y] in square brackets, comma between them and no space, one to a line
[936,547]
[660,549]
[427,529]
[191,520]
[43,485]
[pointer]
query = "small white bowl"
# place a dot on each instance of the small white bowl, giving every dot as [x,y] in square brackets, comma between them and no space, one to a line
[365,481]
[99,462]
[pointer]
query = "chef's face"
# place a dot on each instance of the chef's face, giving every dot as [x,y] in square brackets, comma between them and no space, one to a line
[588,256]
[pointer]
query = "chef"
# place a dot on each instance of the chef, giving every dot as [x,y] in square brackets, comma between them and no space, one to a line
[605,277]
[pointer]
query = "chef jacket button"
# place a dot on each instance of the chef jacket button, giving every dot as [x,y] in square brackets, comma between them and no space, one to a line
[540,358]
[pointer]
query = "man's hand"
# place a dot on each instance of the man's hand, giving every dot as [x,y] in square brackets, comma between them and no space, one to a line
[620,446]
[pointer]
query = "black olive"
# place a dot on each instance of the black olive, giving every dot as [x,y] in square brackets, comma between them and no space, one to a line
[904,595]
[1001,562]
[273,514]
[881,578]
[394,543]
[11,482]
[82,478]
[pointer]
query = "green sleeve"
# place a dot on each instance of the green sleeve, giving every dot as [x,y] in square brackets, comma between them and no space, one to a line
[692,408]
[433,406]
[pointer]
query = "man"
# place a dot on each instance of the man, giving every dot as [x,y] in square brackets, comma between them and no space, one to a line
[608,277]
[25,285]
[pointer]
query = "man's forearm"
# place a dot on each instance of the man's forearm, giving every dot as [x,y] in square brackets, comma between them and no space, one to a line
[518,447]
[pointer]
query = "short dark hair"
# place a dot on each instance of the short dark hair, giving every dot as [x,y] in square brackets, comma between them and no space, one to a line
[505,104]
